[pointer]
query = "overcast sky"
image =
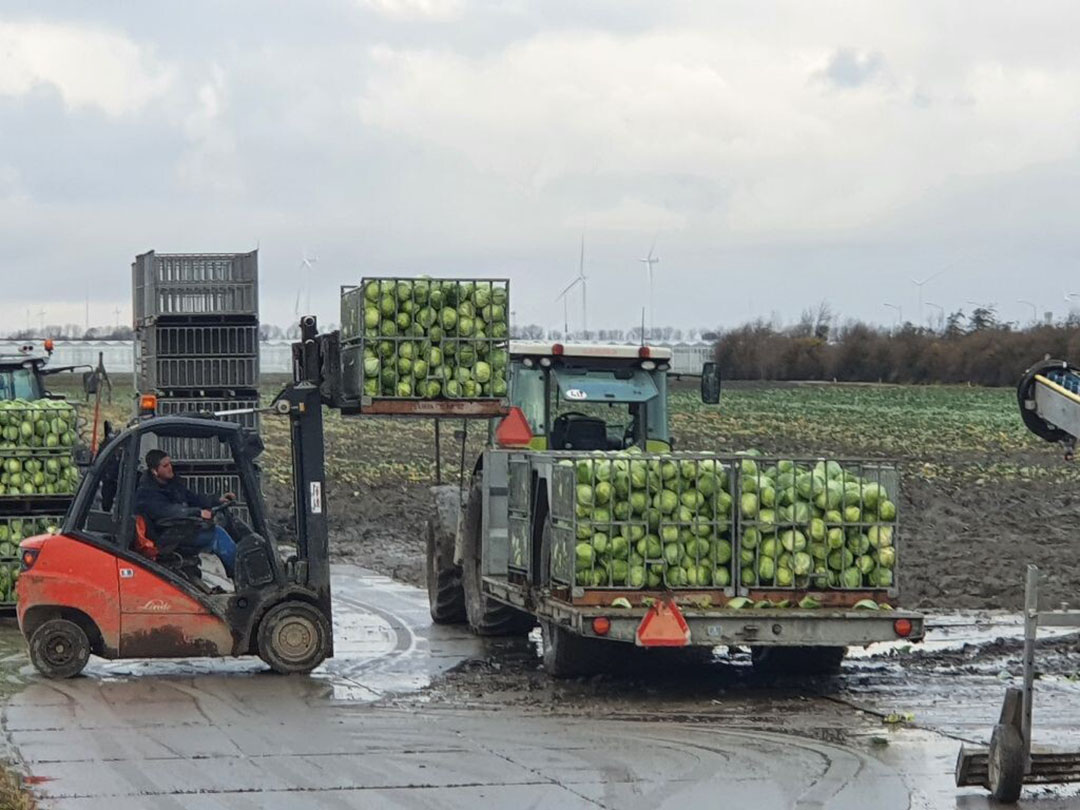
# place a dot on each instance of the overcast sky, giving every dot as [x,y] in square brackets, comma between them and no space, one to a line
[780,154]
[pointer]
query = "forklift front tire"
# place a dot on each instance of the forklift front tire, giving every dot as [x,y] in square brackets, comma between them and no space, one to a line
[294,637]
[59,649]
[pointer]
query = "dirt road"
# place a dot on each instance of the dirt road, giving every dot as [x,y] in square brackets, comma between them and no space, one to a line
[413,716]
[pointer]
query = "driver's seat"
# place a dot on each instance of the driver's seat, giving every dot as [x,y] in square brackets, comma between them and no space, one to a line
[188,565]
[576,431]
[143,544]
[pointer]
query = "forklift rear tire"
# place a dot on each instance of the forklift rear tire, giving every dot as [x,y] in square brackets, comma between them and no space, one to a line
[1005,764]
[59,649]
[798,660]
[446,596]
[487,617]
[294,637]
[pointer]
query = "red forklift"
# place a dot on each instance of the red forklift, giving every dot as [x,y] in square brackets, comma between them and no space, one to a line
[95,586]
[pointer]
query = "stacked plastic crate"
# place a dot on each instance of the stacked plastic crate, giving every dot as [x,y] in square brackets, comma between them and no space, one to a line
[197,349]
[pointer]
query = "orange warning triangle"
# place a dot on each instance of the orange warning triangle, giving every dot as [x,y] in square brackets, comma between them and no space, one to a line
[513,430]
[663,625]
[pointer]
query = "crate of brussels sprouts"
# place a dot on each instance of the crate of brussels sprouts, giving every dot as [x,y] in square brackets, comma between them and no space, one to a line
[12,530]
[410,339]
[816,524]
[37,440]
[643,521]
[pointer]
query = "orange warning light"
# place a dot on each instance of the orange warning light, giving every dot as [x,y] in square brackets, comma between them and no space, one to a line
[663,626]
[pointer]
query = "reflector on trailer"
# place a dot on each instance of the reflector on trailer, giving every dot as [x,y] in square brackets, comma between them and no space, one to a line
[663,626]
[513,430]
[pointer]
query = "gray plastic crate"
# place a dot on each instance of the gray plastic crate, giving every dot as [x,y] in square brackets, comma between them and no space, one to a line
[216,484]
[180,406]
[204,450]
[211,340]
[194,283]
[163,373]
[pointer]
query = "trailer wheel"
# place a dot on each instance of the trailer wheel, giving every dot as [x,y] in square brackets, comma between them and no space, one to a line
[487,617]
[1005,764]
[568,655]
[797,660]
[59,649]
[293,637]
[446,596]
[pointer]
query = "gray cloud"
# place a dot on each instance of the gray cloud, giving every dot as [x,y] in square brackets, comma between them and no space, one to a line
[483,140]
[849,68]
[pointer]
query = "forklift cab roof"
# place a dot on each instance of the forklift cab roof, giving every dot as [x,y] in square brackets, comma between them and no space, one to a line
[605,386]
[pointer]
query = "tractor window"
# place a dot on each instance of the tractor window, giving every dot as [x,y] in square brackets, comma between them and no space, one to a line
[527,393]
[19,383]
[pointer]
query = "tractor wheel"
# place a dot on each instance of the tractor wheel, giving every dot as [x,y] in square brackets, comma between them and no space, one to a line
[293,637]
[487,617]
[446,596]
[798,660]
[568,655]
[59,649]
[1005,764]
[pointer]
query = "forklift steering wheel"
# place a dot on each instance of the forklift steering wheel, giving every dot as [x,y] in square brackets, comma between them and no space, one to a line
[221,507]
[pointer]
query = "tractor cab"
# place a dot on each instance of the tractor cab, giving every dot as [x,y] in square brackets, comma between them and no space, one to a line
[97,586]
[579,396]
[24,370]
[21,373]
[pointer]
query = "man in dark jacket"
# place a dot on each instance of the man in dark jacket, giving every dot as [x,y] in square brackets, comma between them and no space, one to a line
[161,495]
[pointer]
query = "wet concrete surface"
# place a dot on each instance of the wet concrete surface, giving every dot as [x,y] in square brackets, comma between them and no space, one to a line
[411,715]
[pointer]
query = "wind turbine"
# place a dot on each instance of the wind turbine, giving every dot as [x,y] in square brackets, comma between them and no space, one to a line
[926,280]
[899,312]
[581,278]
[649,261]
[305,265]
[1034,309]
[941,312]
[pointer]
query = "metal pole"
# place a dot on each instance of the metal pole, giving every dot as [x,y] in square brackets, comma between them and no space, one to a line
[1031,627]
[438,454]
[464,438]
[652,319]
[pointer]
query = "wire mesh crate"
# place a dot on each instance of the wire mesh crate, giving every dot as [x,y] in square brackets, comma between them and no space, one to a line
[642,521]
[817,524]
[406,338]
[519,515]
[194,283]
[202,340]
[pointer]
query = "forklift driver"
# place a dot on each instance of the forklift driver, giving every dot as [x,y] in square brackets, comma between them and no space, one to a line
[161,496]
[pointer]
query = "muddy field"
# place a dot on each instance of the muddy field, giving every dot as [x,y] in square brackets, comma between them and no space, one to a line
[981,497]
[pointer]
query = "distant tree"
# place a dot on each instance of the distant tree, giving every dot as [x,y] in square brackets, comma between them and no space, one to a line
[983,318]
[954,324]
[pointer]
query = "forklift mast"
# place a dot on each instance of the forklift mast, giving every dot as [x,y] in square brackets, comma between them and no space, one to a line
[302,402]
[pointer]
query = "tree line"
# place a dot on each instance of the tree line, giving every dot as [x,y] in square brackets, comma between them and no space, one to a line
[975,348]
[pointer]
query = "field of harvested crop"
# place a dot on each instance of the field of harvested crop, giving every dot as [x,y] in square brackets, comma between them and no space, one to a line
[981,496]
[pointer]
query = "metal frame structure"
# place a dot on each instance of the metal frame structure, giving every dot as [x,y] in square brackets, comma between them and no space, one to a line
[1049,400]
[1009,763]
